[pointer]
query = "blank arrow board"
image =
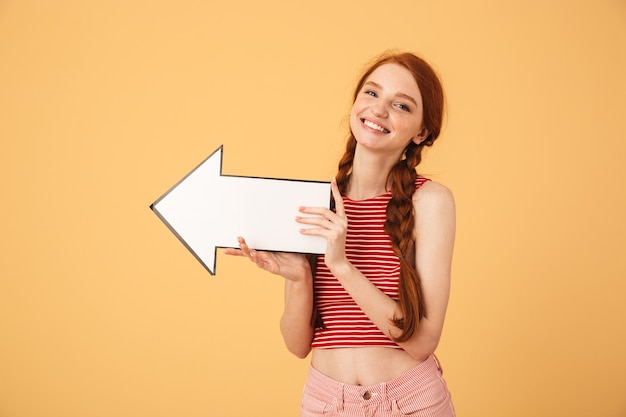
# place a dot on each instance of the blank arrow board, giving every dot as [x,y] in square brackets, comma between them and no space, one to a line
[207,210]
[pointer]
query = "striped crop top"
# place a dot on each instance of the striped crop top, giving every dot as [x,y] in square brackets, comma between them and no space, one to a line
[368,248]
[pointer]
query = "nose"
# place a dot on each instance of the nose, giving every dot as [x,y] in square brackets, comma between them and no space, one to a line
[380,109]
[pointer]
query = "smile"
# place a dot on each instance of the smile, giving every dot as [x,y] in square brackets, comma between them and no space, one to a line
[374,126]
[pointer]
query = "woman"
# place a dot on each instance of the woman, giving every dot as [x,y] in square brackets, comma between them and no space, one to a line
[371,309]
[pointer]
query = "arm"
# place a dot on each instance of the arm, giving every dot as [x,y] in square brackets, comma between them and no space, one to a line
[434,228]
[295,323]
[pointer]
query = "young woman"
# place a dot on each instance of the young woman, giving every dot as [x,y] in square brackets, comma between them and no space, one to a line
[371,309]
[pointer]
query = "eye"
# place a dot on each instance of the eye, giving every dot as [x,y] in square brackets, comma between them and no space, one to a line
[403,107]
[370,93]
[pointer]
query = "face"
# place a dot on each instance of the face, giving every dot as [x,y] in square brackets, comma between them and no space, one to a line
[387,113]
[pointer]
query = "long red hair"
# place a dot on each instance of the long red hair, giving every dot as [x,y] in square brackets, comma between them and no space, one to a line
[400,221]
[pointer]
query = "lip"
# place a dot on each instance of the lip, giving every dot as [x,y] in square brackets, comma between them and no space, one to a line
[368,122]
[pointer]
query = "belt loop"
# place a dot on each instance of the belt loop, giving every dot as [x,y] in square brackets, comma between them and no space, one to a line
[339,399]
[438,364]
[383,393]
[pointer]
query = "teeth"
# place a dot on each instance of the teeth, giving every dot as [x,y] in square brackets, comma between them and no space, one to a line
[375,126]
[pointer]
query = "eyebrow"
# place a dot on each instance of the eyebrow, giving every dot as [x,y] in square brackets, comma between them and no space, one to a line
[404,95]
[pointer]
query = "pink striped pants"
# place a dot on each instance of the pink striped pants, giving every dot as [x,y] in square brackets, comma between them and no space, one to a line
[419,392]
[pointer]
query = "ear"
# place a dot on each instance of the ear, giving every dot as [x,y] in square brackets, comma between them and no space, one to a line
[421,136]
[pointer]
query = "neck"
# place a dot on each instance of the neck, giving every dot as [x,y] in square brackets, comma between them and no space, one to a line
[369,174]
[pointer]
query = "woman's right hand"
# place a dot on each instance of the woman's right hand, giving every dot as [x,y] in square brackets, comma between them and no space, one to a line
[292,266]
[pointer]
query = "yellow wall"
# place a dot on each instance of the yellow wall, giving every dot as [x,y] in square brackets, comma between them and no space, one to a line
[104,104]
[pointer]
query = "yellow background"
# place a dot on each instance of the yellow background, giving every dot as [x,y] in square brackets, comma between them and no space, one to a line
[105,104]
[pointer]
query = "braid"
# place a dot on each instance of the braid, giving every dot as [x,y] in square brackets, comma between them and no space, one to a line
[344,170]
[400,226]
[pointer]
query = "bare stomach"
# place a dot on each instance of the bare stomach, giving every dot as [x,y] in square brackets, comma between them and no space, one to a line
[362,365]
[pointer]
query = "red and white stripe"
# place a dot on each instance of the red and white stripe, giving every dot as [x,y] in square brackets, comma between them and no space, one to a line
[368,248]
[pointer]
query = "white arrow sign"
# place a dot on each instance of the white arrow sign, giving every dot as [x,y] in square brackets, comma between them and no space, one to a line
[207,210]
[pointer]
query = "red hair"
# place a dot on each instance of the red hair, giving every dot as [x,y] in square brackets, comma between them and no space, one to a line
[400,223]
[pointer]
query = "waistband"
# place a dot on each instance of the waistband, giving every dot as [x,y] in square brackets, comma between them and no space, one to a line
[329,390]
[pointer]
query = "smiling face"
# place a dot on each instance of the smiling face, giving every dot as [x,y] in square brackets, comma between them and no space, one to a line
[387,112]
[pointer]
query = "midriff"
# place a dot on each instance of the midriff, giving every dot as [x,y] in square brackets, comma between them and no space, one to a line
[363,365]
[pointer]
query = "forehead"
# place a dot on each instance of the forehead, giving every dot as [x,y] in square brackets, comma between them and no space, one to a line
[396,79]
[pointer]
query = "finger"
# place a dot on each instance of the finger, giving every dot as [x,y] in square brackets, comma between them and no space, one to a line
[325,222]
[325,233]
[245,249]
[319,212]
[321,233]
[339,208]
[243,245]
[233,251]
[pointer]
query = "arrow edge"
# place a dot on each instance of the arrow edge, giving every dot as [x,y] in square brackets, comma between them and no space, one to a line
[169,226]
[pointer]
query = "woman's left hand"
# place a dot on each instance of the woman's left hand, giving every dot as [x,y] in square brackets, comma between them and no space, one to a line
[332,226]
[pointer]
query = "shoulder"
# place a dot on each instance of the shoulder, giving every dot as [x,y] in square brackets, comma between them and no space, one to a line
[435,214]
[434,202]
[431,192]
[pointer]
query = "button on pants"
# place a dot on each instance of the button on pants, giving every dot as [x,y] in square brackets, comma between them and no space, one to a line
[419,392]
